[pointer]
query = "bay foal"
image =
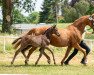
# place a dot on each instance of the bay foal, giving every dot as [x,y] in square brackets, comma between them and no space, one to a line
[41,41]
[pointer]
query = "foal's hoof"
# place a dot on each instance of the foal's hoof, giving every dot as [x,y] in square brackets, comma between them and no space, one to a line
[61,63]
[36,64]
[54,63]
[11,63]
[26,63]
[49,61]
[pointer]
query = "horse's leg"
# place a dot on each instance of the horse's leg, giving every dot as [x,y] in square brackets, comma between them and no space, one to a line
[66,54]
[41,52]
[49,60]
[52,54]
[23,52]
[77,46]
[30,52]
[16,53]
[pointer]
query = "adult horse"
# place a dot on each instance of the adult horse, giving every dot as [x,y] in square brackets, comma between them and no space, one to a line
[70,36]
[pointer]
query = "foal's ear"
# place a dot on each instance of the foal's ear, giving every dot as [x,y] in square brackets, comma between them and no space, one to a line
[54,26]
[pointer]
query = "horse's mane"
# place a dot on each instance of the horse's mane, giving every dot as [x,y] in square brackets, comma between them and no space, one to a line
[79,20]
[37,30]
[47,31]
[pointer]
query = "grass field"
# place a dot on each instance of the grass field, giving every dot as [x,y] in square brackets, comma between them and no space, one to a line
[43,68]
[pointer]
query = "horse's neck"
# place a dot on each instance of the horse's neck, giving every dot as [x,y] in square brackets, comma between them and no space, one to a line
[48,35]
[80,26]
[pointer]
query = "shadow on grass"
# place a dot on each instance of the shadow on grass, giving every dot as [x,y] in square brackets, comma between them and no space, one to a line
[42,65]
[28,65]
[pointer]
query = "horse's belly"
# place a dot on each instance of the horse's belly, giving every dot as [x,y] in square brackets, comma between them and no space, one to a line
[59,41]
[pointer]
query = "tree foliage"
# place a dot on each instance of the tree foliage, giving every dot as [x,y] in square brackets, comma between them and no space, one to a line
[78,9]
[82,7]
[70,14]
[49,11]
[7,8]
[18,17]
[27,5]
[33,17]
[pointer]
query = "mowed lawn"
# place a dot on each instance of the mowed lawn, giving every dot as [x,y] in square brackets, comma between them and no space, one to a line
[43,68]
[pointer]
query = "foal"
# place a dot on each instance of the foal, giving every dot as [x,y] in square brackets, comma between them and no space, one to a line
[41,41]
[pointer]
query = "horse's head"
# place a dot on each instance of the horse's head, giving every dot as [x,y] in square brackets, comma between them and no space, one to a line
[54,30]
[91,21]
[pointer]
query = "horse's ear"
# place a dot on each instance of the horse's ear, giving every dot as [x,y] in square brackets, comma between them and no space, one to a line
[90,18]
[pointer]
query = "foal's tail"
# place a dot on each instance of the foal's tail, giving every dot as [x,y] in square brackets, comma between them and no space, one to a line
[16,42]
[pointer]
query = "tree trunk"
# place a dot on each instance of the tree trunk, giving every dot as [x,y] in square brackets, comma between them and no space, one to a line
[7,16]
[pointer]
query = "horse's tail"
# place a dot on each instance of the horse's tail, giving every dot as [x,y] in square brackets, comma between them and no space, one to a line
[16,42]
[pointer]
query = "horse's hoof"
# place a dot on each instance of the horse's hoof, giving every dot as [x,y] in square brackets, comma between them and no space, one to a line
[26,64]
[61,63]
[11,63]
[54,63]
[66,63]
[84,62]
[49,61]
[36,63]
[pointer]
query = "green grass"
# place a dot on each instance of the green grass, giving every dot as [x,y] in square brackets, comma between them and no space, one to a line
[43,68]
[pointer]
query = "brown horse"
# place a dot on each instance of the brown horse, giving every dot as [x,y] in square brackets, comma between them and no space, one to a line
[41,41]
[70,36]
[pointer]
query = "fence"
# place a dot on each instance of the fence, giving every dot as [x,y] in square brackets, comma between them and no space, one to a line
[5,43]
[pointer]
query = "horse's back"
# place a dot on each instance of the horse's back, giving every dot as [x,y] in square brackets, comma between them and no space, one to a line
[38,30]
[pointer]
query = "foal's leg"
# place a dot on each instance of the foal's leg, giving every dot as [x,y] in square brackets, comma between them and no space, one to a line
[23,52]
[66,54]
[41,52]
[30,52]
[49,60]
[16,53]
[52,54]
[24,49]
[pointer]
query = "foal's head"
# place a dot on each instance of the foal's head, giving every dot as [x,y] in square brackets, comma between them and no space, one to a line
[51,30]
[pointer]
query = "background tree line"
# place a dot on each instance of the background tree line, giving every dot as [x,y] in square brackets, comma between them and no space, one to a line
[11,11]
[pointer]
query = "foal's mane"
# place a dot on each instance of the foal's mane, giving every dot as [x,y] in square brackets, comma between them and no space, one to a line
[47,31]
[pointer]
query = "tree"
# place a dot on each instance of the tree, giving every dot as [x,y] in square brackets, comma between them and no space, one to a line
[7,15]
[82,7]
[70,14]
[33,17]
[45,11]
[76,9]
[7,7]
[49,10]
[18,17]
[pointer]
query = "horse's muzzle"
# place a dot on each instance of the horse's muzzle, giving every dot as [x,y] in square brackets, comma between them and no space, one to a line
[58,34]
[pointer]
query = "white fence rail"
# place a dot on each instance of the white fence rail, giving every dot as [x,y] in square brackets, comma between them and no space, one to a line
[6,40]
